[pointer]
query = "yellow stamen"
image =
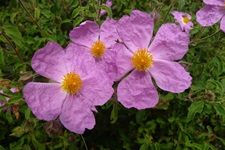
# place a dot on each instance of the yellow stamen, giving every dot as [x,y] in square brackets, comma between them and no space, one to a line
[98,48]
[71,83]
[185,20]
[142,60]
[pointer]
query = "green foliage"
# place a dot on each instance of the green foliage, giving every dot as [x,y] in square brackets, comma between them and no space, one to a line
[194,119]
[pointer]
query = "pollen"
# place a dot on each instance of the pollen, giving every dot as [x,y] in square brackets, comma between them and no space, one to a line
[98,49]
[185,20]
[142,60]
[71,83]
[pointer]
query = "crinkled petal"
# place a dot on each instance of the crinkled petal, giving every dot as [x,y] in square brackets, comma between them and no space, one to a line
[76,114]
[136,30]
[222,24]
[214,2]
[108,32]
[170,43]
[97,88]
[209,15]
[108,63]
[123,60]
[86,34]
[170,76]
[79,60]
[49,61]
[44,99]
[138,91]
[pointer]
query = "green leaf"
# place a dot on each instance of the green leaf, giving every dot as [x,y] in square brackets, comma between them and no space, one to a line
[9,117]
[36,144]
[37,13]
[77,21]
[15,99]
[114,114]
[107,9]
[220,110]
[3,99]
[27,113]
[196,107]
[77,11]
[2,148]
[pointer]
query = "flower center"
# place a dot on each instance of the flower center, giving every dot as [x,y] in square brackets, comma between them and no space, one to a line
[142,60]
[71,83]
[98,49]
[186,20]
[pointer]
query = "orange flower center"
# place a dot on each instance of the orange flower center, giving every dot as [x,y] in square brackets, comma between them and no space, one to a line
[186,20]
[142,60]
[98,49]
[71,83]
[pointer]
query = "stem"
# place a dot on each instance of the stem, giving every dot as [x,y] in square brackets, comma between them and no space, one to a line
[80,3]
[34,20]
[11,44]
[171,6]
[202,39]
[84,142]
[99,11]
[4,95]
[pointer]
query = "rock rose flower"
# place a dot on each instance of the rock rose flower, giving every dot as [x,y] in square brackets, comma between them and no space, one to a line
[78,86]
[211,13]
[98,42]
[144,59]
[184,20]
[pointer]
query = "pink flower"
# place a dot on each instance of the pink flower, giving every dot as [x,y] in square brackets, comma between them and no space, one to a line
[145,59]
[98,42]
[211,13]
[7,98]
[184,20]
[78,87]
[108,4]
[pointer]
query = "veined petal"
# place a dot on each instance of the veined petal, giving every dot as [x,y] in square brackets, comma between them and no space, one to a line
[222,24]
[97,88]
[123,60]
[214,2]
[49,61]
[209,15]
[170,43]
[44,99]
[79,60]
[76,114]
[170,76]
[138,91]
[86,34]
[136,30]
[108,32]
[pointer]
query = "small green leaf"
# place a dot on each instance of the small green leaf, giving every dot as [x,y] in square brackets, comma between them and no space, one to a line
[196,107]
[9,117]
[114,114]
[15,99]
[37,13]
[107,9]
[36,144]
[77,11]
[27,113]
[220,110]
[77,21]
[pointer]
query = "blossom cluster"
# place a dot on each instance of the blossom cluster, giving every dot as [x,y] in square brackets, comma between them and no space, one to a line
[122,51]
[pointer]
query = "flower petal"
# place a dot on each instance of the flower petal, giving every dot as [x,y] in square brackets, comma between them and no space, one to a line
[97,88]
[44,99]
[209,15]
[49,61]
[123,60]
[136,30]
[214,2]
[222,24]
[76,114]
[86,34]
[108,32]
[170,76]
[79,60]
[138,91]
[170,43]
